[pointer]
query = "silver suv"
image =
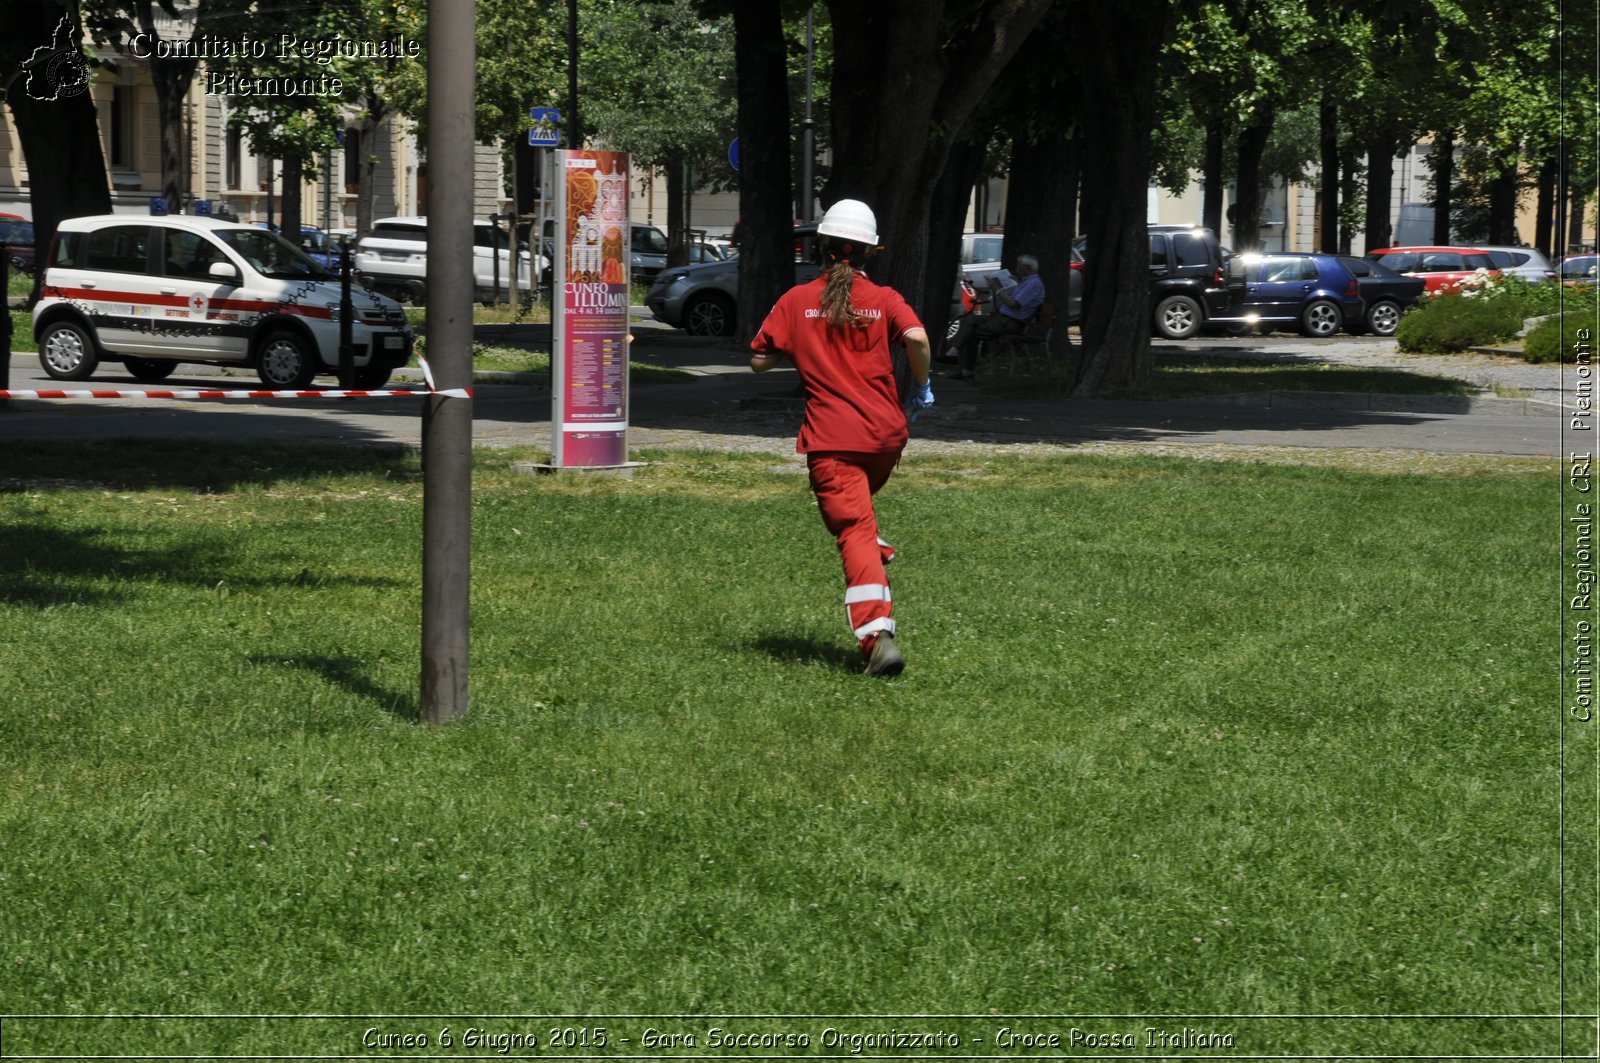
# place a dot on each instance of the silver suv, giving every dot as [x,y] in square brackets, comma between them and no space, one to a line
[393,259]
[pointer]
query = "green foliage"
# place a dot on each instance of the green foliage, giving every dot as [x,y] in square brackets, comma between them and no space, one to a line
[1560,337]
[1456,320]
[661,83]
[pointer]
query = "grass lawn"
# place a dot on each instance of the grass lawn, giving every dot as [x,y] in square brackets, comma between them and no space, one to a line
[1176,738]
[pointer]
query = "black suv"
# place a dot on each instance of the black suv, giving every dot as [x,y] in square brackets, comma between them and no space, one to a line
[1187,283]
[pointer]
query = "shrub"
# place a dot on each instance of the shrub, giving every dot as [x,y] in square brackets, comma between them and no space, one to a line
[1557,338]
[1455,320]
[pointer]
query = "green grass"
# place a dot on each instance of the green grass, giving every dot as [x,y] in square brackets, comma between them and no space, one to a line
[1175,737]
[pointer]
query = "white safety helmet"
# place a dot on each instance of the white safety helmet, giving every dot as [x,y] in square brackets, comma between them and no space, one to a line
[849,219]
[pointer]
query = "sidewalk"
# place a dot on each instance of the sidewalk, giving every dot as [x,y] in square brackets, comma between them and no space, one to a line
[725,407]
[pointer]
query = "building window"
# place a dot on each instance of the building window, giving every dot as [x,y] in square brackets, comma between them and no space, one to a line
[352,160]
[235,156]
[124,129]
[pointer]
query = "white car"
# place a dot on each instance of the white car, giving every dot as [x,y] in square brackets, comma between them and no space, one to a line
[1528,263]
[392,259]
[155,292]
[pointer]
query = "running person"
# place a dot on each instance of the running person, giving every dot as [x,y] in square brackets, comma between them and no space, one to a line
[837,329]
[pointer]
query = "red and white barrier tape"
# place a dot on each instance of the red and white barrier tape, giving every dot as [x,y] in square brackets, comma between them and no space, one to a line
[217,393]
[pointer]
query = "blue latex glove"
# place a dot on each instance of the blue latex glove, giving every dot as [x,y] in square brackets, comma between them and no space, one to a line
[922,399]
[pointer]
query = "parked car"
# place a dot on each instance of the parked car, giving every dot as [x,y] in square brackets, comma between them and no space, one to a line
[16,237]
[1312,292]
[321,248]
[648,252]
[1528,263]
[155,292]
[392,259]
[1387,294]
[1580,269]
[703,300]
[1187,284]
[1440,268]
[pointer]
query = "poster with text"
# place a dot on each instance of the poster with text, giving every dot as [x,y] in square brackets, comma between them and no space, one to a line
[589,353]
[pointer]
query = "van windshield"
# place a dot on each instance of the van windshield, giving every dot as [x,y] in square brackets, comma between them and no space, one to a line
[271,255]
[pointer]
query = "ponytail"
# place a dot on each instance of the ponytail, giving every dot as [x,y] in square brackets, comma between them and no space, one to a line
[841,256]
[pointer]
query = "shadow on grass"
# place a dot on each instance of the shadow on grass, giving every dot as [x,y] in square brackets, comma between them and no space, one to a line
[348,673]
[47,566]
[809,651]
[209,467]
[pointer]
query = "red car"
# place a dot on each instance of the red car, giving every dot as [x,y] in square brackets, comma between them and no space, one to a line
[16,237]
[1439,267]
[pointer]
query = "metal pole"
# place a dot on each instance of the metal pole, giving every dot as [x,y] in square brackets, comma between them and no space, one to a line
[574,129]
[447,422]
[808,132]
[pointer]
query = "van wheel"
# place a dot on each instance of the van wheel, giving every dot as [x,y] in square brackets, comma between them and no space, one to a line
[149,370]
[709,315]
[1321,319]
[1177,317]
[285,361]
[66,351]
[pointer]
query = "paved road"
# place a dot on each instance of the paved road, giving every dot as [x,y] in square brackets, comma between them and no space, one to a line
[726,407]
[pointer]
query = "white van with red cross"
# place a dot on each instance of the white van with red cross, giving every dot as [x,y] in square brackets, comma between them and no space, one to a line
[154,292]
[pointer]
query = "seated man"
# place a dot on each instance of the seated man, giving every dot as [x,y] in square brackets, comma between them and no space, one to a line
[1016,308]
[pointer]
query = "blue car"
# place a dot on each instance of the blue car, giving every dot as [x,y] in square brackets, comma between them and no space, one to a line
[1314,293]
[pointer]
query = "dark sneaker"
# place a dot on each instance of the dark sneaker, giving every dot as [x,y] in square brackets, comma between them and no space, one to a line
[885,659]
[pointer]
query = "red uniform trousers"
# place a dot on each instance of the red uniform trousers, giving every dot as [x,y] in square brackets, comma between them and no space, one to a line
[844,485]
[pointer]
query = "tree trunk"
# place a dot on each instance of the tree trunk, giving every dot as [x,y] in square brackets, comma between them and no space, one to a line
[1328,142]
[367,129]
[1211,194]
[947,214]
[55,120]
[1039,218]
[766,244]
[1247,191]
[1544,212]
[900,87]
[1380,192]
[1444,176]
[1349,190]
[171,76]
[677,222]
[291,206]
[1503,202]
[1119,51]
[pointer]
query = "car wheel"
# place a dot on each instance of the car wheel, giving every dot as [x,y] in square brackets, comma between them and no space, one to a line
[1383,317]
[67,352]
[1177,317]
[149,370]
[284,360]
[372,377]
[709,315]
[1321,319]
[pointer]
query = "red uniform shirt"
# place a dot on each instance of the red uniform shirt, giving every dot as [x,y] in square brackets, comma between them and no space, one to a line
[851,401]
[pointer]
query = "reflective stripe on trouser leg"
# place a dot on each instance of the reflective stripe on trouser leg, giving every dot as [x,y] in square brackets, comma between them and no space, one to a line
[867,607]
[844,484]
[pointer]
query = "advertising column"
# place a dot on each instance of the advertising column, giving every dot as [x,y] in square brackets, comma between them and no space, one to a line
[589,352]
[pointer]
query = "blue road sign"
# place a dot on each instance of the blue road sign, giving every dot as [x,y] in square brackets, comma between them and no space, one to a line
[733,154]
[546,129]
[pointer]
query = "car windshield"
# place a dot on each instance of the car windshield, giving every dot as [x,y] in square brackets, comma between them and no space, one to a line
[271,255]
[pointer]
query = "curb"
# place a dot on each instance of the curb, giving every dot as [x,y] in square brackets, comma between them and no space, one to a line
[1391,403]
